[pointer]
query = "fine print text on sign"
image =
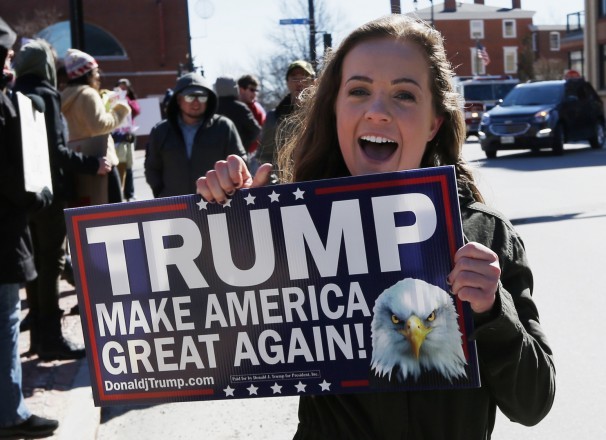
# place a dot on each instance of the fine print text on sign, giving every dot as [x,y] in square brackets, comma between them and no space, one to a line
[332,286]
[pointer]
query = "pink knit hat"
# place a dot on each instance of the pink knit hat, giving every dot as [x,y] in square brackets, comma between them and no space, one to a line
[78,63]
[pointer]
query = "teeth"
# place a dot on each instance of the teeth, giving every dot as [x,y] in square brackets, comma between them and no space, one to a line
[376,139]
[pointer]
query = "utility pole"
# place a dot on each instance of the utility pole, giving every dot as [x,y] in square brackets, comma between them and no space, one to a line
[312,35]
[395,7]
[76,24]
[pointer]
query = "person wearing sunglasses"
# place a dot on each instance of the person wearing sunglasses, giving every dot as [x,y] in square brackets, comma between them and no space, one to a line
[190,140]
[248,91]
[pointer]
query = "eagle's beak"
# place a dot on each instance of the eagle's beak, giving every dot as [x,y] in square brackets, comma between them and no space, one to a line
[416,332]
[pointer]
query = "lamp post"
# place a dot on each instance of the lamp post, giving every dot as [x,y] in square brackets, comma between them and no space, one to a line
[312,35]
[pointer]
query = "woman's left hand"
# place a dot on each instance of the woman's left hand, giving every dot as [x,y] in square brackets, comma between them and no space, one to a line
[475,276]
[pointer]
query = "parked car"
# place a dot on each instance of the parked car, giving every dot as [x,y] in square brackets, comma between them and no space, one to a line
[544,114]
[481,93]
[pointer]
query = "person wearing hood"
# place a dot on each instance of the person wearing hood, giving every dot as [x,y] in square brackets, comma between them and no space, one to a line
[16,260]
[36,75]
[90,122]
[190,140]
[231,107]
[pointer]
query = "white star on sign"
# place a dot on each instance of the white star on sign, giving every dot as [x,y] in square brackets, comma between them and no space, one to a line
[300,387]
[201,204]
[227,204]
[277,388]
[229,391]
[252,389]
[274,197]
[250,199]
[325,385]
[298,194]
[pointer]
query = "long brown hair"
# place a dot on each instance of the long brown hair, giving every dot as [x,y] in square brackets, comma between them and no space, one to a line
[312,150]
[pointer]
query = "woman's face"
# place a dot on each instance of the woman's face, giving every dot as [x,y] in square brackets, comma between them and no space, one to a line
[384,107]
[96,78]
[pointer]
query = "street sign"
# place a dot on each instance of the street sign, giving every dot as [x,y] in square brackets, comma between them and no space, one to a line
[294,21]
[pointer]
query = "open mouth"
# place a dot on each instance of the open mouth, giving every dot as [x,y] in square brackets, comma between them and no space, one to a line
[377,148]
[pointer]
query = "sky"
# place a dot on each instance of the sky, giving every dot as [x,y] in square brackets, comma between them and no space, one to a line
[229,36]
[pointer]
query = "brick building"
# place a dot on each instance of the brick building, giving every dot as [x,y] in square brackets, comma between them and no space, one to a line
[145,41]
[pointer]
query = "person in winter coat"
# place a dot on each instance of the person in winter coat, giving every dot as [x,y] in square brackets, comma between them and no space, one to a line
[299,75]
[385,102]
[35,75]
[16,260]
[248,89]
[190,140]
[88,117]
[239,113]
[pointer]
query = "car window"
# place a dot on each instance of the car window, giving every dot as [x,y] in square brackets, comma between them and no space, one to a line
[545,94]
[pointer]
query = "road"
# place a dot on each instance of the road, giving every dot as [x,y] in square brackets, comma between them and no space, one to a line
[558,205]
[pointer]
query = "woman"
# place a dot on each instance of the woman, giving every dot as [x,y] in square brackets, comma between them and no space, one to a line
[90,122]
[384,102]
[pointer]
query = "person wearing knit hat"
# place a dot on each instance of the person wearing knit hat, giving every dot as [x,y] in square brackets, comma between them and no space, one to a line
[78,63]
[16,263]
[90,122]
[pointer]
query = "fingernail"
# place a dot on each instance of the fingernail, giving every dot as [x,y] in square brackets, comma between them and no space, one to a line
[448,281]
[231,193]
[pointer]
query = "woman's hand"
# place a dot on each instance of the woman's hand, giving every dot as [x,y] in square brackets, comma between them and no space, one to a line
[475,276]
[228,176]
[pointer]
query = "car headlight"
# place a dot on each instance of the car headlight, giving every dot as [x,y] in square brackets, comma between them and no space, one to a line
[542,116]
[485,119]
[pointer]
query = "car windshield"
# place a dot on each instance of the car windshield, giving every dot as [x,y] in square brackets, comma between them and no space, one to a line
[486,92]
[543,94]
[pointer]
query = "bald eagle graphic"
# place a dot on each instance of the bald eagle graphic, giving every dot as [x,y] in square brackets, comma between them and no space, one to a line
[415,329]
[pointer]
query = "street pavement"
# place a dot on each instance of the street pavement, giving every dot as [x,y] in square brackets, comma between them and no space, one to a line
[61,389]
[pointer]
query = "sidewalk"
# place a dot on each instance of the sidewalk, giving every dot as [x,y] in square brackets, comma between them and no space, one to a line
[61,390]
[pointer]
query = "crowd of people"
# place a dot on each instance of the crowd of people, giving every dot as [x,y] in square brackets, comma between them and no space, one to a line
[382,102]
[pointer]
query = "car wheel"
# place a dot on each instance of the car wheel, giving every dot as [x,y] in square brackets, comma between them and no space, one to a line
[558,141]
[598,138]
[491,154]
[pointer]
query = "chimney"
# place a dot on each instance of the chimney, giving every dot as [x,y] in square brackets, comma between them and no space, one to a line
[516,4]
[478,2]
[450,5]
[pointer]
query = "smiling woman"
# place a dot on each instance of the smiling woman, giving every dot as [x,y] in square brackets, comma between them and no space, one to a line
[385,102]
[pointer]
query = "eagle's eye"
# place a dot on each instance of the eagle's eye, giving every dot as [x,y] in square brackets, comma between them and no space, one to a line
[395,319]
[432,316]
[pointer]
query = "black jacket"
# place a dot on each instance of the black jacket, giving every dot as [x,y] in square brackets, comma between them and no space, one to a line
[244,120]
[64,162]
[16,259]
[516,365]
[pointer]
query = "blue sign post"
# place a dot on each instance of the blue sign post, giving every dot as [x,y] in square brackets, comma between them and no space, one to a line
[294,21]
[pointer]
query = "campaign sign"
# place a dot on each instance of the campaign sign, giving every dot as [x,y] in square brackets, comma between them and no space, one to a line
[324,287]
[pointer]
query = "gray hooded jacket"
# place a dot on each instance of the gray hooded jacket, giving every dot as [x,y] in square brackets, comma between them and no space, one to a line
[168,169]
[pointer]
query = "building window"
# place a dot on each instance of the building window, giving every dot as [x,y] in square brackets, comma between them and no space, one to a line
[98,42]
[477,66]
[476,29]
[554,41]
[509,29]
[602,8]
[510,58]
[575,61]
[535,44]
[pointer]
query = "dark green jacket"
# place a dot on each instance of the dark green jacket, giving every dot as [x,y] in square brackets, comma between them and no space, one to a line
[516,365]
